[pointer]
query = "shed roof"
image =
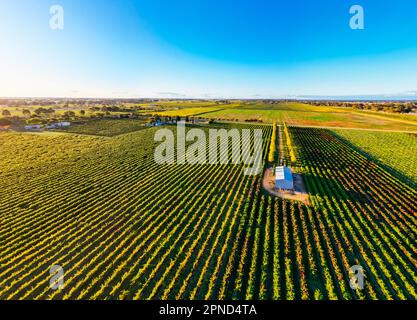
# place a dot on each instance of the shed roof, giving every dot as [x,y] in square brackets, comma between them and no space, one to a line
[283,173]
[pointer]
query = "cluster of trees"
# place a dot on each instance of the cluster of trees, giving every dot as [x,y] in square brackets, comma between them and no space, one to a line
[39,112]
[169,119]
[44,115]
[6,113]
[44,111]
[66,102]
[394,107]
[110,108]
[16,103]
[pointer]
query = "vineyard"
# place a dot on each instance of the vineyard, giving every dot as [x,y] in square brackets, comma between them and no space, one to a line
[297,114]
[123,227]
[395,149]
[105,127]
[366,216]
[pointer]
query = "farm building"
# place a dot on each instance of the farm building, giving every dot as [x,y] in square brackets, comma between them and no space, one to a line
[63,124]
[33,127]
[156,123]
[283,178]
[58,125]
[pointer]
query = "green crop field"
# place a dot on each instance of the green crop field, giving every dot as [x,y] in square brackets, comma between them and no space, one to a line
[184,112]
[304,115]
[124,227]
[405,118]
[105,127]
[181,104]
[366,215]
[208,159]
[288,106]
[396,150]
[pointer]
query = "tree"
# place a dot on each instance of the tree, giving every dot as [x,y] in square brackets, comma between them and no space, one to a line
[34,121]
[6,113]
[41,110]
[26,113]
[82,112]
[69,114]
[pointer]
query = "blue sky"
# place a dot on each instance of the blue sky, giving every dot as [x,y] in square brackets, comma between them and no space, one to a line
[207,48]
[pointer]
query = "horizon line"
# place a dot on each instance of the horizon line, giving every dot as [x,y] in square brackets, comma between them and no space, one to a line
[342,98]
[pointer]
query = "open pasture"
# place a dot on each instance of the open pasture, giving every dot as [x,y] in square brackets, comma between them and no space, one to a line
[186,112]
[305,115]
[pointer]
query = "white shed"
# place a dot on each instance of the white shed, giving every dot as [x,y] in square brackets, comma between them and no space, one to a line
[63,124]
[283,178]
[33,127]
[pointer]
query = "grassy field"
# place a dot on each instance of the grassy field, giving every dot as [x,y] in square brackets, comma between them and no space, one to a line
[59,110]
[289,106]
[181,104]
[185,112]
[124,227]
[411,118]
[305,115]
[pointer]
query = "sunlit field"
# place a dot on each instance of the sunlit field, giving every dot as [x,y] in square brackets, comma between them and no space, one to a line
[124,227]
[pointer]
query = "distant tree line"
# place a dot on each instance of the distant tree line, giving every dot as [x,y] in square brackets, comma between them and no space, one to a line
[385,106]
[110,108]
